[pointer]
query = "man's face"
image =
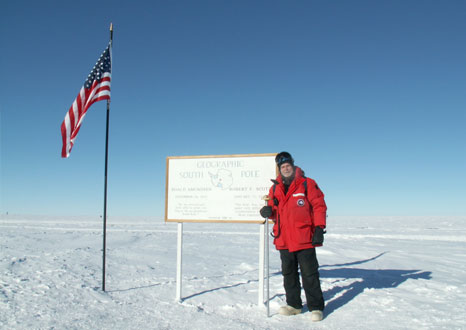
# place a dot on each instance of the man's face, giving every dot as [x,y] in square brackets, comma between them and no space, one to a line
[286,170]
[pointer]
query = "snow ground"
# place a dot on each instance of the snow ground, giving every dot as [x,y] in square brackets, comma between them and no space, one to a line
[376,273]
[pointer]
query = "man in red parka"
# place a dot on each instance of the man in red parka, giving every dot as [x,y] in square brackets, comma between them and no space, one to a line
[298,209]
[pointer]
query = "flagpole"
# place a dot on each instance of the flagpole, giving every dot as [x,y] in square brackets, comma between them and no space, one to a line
[105,180]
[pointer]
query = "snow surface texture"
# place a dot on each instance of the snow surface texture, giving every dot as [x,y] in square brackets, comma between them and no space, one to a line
[376,273]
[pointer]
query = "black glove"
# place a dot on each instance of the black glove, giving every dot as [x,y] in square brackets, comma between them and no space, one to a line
[266,211]
[318,238]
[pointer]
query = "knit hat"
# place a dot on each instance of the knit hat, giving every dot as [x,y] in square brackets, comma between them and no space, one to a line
[284,157]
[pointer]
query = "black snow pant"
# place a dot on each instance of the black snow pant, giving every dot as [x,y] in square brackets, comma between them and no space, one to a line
[309,266]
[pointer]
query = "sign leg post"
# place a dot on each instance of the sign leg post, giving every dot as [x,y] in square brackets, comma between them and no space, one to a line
[267,264]
[260,301]
[266,198]
[179,257]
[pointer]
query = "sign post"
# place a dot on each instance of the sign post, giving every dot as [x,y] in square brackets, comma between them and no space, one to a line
[266,238]
[179,261]
[262,234]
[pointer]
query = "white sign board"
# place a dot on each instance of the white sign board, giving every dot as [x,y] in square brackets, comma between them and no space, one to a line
[226,188]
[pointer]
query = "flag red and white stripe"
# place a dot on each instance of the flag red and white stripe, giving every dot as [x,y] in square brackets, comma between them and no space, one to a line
[96,88]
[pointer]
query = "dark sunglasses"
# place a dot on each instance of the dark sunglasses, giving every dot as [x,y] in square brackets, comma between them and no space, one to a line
[283,159]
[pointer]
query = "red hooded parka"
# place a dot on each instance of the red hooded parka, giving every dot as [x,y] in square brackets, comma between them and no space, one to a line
[297,213]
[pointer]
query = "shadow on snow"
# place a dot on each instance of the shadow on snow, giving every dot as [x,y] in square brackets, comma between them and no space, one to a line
[363,279]
[339,295]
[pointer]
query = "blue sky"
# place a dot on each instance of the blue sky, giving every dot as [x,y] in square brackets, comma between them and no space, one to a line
[368,96]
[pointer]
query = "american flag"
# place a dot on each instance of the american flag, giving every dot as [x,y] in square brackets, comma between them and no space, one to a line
[96,88]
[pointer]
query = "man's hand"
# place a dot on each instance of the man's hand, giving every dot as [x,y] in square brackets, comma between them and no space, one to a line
[266,212]
[318,238]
